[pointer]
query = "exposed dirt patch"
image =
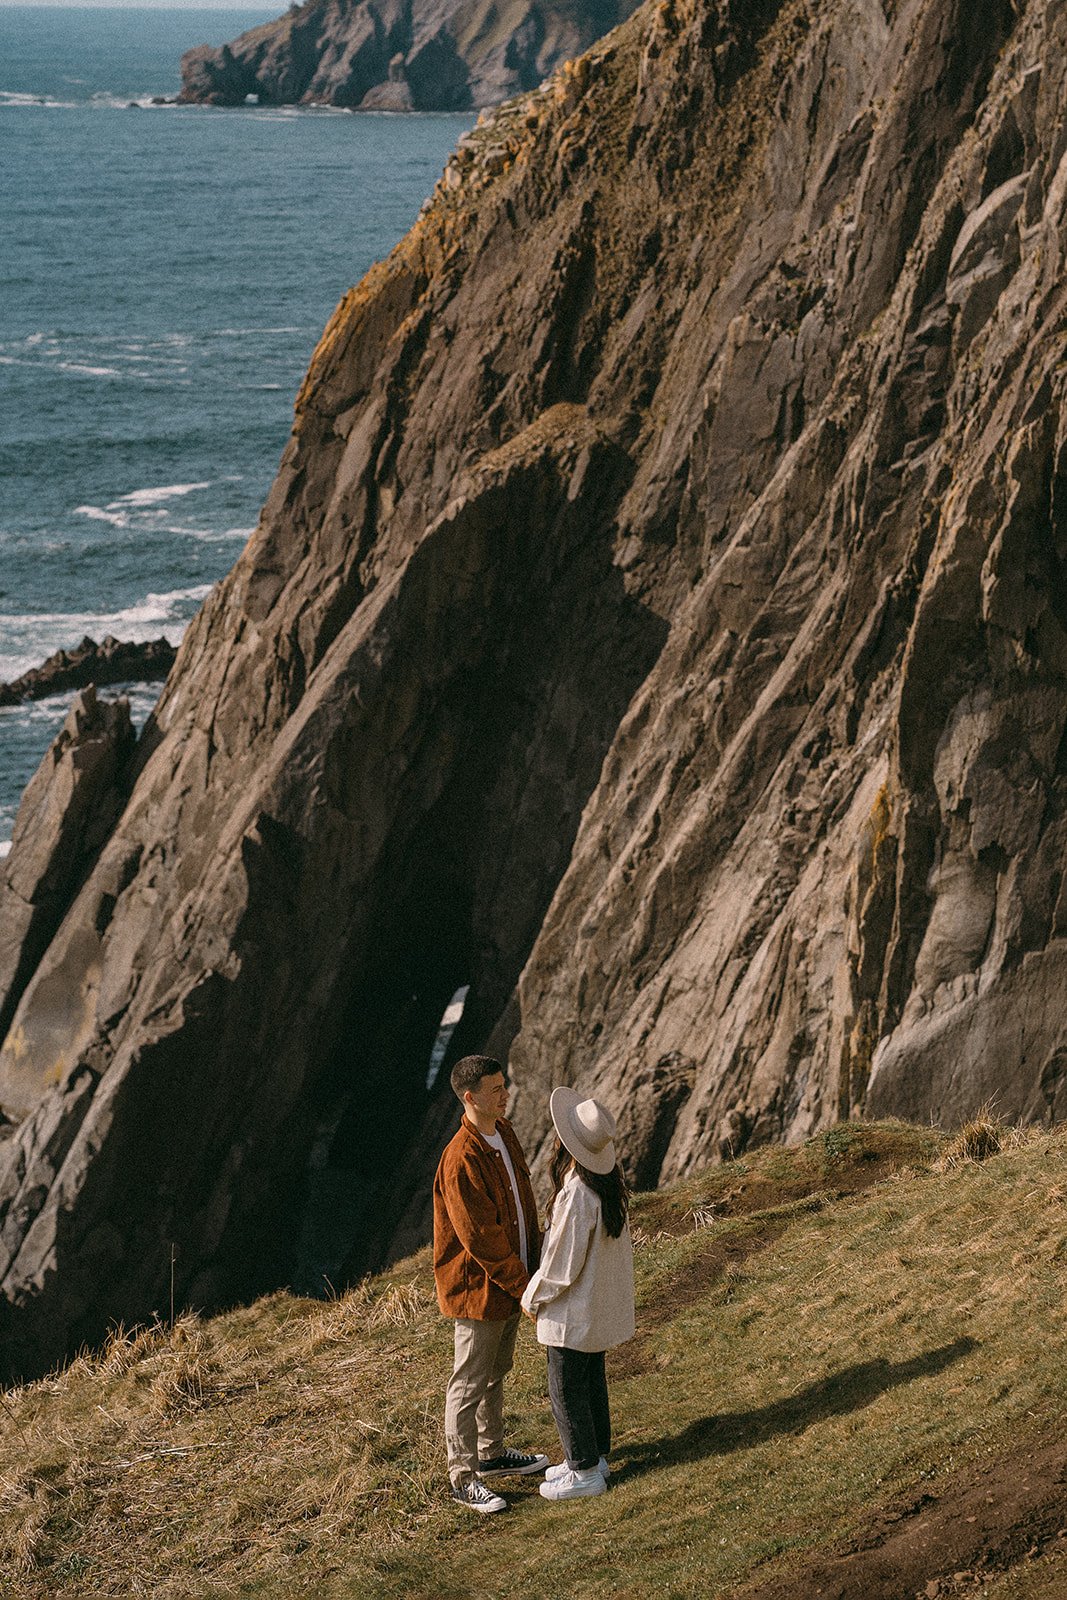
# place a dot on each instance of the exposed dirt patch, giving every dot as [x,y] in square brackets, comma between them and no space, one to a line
[947,1540]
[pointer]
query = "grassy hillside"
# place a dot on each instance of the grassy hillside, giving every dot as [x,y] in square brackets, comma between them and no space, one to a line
[848,1381]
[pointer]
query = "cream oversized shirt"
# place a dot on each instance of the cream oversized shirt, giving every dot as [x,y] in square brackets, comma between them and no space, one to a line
[583,1292]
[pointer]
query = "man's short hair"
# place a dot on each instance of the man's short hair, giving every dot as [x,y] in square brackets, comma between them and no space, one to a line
[468,1073]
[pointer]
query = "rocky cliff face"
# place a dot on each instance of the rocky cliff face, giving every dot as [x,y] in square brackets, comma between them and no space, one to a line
[65,816]
[659,623]
[398,55]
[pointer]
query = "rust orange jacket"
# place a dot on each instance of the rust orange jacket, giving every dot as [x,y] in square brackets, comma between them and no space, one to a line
[476,1262]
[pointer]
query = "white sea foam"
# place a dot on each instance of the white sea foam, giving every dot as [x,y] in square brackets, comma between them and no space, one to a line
[103,100]
[212,535]
[243,333]
[27,639]
[152,497]
[148,505]
[87,371]
[82,368]
[5,846]
[51,709]
[165,360]
[128,360]
[48,709]
[117,519]
[17,99]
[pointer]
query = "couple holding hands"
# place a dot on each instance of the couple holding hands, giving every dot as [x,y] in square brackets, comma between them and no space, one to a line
[489,1266]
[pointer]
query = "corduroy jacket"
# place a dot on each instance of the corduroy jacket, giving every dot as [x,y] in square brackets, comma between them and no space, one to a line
[476,1263]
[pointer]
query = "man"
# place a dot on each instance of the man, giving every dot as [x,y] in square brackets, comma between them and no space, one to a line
[486,1243]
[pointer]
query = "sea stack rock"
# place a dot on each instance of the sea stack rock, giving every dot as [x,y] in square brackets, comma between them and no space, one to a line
[66,814]
[393,95]
[378,55]
[657,625]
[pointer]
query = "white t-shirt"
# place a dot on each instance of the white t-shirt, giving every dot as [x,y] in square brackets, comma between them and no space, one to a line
[497,1142]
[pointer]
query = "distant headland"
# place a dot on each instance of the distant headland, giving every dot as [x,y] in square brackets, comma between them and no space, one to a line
[377,55]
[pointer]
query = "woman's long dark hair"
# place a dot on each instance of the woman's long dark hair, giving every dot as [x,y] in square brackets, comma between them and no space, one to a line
[609,1187]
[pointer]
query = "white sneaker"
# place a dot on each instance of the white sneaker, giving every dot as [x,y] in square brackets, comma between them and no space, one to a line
[476,1497]
[573,1485]
[561,1467]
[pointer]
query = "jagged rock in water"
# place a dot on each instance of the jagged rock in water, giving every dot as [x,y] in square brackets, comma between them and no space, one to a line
[66,813]
[392,95]
[111,661]
[657,624]
[378,55]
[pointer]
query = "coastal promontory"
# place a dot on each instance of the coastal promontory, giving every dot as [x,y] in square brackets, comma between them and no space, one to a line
[379,55]
[657,629]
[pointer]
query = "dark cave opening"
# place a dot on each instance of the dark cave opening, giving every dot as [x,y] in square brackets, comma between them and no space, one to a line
[372,1098]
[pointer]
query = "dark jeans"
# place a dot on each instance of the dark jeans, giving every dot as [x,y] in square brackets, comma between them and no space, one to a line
[578,1390]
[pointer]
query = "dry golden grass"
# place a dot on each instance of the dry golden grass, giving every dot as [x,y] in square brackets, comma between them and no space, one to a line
[985,1135]
[214,1444]
[818,1328]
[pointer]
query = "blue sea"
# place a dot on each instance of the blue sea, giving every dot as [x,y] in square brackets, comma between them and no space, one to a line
[165,274]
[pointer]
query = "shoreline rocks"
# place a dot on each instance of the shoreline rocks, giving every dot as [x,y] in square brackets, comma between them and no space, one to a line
[110,661]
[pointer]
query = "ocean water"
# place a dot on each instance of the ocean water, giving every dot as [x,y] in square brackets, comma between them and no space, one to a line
[165,273]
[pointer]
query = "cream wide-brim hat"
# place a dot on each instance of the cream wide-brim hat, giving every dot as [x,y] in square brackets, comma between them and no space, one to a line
[586,1129]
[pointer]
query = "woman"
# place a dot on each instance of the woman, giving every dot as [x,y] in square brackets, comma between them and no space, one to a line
[582,1294]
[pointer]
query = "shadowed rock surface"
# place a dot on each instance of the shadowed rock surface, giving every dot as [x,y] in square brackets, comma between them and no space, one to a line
[382,55]
[658,623]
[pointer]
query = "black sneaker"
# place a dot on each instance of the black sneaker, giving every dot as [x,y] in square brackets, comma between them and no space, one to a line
[512,1461]
[476,1497]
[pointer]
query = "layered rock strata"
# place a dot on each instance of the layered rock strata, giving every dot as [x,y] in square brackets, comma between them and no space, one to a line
[381,55]
[658,623]
[65,816]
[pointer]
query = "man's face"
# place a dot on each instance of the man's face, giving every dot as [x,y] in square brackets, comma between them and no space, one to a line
[490,1098]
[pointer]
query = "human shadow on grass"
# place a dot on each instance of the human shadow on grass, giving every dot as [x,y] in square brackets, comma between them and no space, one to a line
[848,1390]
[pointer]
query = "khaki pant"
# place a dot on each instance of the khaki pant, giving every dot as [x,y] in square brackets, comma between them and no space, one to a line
[474,1399]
